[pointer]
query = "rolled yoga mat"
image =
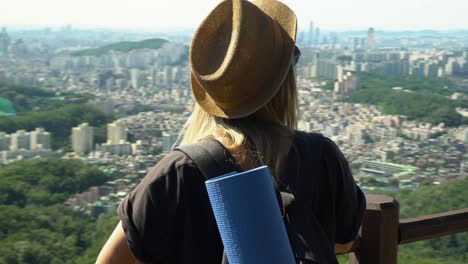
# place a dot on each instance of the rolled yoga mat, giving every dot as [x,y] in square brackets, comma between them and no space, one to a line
[249,218]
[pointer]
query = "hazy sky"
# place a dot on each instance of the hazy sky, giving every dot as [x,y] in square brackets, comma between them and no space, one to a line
[171,14]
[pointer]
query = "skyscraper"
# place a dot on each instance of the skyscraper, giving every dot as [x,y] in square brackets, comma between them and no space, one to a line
[355,43]
[311,33]
[317,36]
[134,77]
[40,139]
[5,141]
[371,38]
[301,38]
[82,139]
[20,140]
[168,140]
[4,42]
[116,133]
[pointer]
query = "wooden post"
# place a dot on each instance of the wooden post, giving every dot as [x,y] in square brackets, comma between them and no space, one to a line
[379,233]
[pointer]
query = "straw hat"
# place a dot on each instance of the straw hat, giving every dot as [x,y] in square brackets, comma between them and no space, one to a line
[240,56]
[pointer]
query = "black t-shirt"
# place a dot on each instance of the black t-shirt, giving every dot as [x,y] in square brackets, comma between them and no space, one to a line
[168,218]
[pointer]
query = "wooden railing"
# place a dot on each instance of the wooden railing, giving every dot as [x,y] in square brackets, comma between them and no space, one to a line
[382,230]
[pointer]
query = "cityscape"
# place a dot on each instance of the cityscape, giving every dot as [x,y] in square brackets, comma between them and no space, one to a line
[139,83]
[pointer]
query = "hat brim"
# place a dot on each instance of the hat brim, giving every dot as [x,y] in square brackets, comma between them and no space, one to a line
[286,18]
[281,13]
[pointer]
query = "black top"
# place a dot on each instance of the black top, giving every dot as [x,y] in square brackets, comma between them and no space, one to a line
[168,217]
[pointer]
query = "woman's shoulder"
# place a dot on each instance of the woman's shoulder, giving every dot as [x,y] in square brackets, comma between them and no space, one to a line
[173,164]
[318,140]
[319,148]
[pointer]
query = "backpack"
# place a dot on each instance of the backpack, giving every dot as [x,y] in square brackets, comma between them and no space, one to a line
[308,241]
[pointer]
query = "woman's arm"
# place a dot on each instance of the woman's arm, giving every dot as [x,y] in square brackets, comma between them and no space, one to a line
[116,249]
[350,201]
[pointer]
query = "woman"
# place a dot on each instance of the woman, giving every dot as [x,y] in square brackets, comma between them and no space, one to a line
[242,74]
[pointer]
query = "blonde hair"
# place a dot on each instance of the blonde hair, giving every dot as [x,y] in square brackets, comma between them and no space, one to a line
[250,139]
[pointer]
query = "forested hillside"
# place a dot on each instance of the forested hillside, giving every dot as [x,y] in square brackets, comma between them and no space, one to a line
[424,100]
[26,99]
[56,114]
[430,200]
[36,228]
[34,225]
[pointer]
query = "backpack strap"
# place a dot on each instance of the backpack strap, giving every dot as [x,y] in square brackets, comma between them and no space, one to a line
[210,157]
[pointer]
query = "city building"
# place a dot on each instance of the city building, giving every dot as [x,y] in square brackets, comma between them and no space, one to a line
[117,143]
[345,85]
[134,78]
[116,133]
[317,36]
[7,156]
[310,37]
[168,141]
[5,141]
[371,38]
[82,139]
[20,140]
[121,149]
[40,139]
[327,69]
[382,169]
[4,42]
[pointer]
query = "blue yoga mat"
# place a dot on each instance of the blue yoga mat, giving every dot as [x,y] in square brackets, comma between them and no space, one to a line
[249,218]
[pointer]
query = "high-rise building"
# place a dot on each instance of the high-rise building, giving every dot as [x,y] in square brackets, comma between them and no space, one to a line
[327,69]
[134,76]
[116,133]
[82,139]
[317,36]
[346,84]
[358,135]
[355,43]
[167,77]
[334,38]
[40,139]
[5,141]
[168,140]
[371,38]
[450,66]
[301,37]
[116,140]
[465,135]
[20,140]
[311,33]
[4,42]
[176,74]
[431,69]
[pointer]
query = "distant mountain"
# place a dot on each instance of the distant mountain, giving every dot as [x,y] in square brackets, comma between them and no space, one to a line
[125,46]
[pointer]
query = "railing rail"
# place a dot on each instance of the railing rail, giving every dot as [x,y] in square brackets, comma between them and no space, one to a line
[432,226]
[382,230]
